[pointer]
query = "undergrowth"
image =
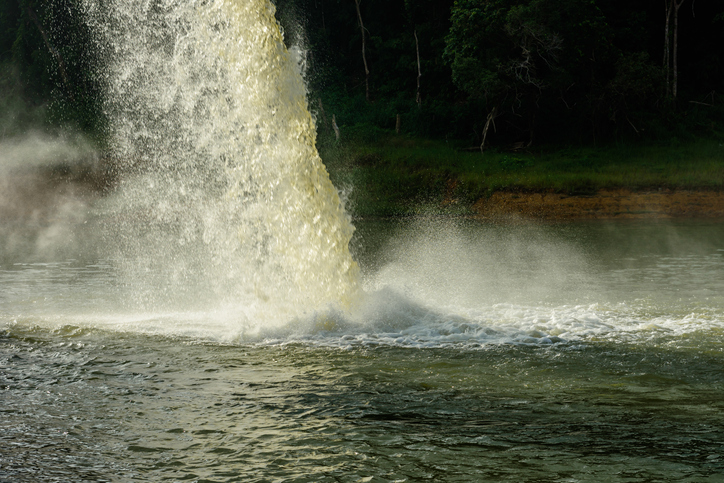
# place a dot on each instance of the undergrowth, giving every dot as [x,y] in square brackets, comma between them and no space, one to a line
[388,174]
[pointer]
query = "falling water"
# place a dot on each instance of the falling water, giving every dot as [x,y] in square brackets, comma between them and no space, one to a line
[222,196]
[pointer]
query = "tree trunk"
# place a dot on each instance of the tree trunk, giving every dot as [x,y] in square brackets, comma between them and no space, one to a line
[671,47]
[321,111]
[668,4]
[364,55]
[335,127]
[491,120]
[675,83]
[418,97]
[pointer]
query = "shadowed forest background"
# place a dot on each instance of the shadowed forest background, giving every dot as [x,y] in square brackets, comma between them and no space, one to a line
[534,71]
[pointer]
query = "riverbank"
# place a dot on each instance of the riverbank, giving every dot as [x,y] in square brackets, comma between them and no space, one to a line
[605,204]
[394,175]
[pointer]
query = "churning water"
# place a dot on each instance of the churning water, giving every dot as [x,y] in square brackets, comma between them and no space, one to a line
[581,352]
[205,320]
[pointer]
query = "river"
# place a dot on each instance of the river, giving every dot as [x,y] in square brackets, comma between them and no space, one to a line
[478,352]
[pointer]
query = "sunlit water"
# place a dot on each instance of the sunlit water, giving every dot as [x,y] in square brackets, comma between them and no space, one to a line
[581,352]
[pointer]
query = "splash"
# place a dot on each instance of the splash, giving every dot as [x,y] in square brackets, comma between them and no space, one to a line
[221,196]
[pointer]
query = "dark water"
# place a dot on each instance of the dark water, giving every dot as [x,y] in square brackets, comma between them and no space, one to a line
[485,353]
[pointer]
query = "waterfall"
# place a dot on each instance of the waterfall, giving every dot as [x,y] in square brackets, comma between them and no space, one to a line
[221,196]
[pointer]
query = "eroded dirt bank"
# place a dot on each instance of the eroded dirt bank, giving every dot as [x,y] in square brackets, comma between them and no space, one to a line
[606,204]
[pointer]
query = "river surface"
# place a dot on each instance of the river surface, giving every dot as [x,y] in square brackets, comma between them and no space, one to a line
[479,352]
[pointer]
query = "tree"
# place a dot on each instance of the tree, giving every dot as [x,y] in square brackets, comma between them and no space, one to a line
[671,46]
[504,51]
[553,68]
[364,54]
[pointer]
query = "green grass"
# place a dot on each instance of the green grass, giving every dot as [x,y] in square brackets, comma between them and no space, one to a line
[396,175]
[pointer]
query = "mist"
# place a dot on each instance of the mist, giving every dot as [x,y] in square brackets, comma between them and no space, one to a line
[48,183]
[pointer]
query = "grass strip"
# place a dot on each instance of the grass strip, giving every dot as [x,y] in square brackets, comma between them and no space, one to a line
[398,175]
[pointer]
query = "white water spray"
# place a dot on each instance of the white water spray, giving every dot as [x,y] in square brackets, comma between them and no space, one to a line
[222,197]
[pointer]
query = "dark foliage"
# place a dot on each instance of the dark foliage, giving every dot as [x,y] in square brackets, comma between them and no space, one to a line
[556,71]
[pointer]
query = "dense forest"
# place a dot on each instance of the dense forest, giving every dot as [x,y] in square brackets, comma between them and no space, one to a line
[511,73]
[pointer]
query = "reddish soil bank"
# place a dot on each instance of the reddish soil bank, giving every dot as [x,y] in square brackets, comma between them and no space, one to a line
[606,204]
